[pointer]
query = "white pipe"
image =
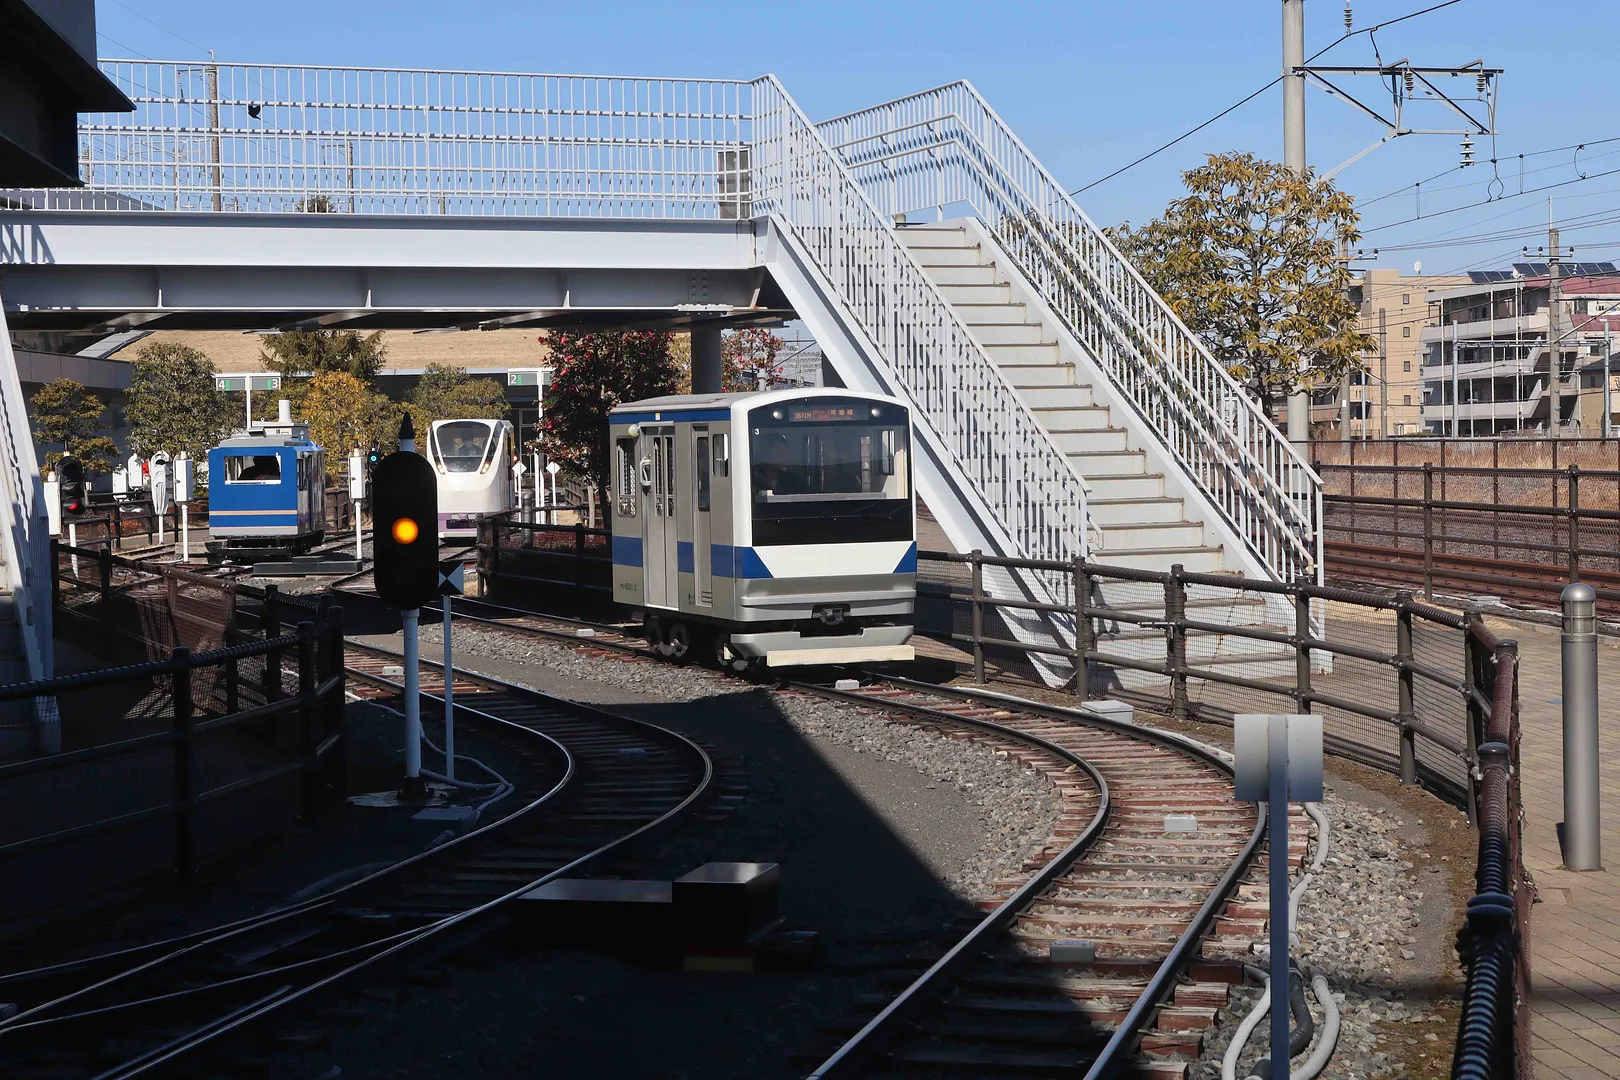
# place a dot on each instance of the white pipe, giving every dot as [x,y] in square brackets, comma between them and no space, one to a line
[1327,1038]
[1241,1038]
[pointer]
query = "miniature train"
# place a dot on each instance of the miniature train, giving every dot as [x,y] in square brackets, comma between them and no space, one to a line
[473,460]
[771,529]
[266,492]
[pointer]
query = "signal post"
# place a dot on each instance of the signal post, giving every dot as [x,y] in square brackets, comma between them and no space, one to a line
[405,551]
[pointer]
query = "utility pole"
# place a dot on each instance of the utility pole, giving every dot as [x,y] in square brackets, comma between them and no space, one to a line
[213,127]
[1293,62]
[1555,325]
[1608,352]
[1457,389]
[1383,374]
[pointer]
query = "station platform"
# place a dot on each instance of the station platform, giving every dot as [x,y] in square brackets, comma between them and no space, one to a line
[1575,942]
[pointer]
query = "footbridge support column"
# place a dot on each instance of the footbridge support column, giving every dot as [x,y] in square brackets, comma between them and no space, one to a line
[706,366]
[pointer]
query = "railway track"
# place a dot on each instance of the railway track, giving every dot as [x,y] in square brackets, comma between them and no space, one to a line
[1530,584]
[1118,950]
[1168,915]
[593,783]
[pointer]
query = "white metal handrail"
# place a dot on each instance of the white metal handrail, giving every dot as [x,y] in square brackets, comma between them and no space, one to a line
[996,441]
[237,137]
[25,541]
[947,146]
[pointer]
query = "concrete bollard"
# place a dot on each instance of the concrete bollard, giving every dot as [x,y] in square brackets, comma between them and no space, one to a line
[1580,833]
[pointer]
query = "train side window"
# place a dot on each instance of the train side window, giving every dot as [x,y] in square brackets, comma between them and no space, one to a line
[625,468]
[702,461]
[253,469]
[722,460]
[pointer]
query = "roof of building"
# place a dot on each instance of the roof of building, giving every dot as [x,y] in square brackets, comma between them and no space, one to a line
[232,351]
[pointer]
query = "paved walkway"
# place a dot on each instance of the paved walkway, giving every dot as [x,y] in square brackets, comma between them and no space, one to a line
[1575,960]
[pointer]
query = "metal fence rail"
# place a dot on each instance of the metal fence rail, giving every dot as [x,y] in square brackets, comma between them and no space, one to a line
[167,760]
[947,147]
[1428,694]
[1523,533]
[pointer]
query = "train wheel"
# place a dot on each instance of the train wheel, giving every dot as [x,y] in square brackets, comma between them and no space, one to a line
[678,641]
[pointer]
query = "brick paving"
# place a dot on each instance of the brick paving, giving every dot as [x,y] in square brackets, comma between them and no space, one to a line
[1575,958]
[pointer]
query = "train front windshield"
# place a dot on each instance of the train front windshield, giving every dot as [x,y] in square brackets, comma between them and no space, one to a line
[462,444]
[830,471]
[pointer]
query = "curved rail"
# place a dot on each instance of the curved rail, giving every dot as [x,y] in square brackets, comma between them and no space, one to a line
[1112,1060]
[351,961]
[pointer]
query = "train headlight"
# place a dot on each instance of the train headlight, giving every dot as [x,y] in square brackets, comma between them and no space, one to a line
[406,531]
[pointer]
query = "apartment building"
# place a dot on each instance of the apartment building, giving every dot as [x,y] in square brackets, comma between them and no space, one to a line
[1386,398]
[1497,358]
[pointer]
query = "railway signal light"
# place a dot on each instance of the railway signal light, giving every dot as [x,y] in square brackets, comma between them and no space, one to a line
[405,526]
[70,473]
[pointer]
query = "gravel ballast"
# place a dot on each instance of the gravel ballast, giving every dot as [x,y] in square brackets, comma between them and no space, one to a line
[886,835]
[1359,923]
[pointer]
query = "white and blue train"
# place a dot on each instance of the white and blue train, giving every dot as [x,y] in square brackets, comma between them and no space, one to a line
[773,529]
[266,492]
[473,460]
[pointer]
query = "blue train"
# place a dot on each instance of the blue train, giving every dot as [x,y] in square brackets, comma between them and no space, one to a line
[266,492]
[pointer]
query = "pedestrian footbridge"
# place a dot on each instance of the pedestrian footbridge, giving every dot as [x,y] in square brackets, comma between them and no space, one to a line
[1064,411]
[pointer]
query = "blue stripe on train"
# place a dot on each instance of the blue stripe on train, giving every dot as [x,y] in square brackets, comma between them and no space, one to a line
[683,557]
[736,562]
[908,561]
[627,551]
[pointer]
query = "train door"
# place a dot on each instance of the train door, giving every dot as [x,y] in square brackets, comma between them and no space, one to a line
[658,525]
[701,532]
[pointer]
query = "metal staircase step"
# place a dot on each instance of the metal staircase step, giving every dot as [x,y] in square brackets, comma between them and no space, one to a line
[1028,376]
[967,274]
[1155,508]
[1126,486]
[1041,399]
[1045,353]
[930,256]
[994,292]
[1011,334]
[1110,463]
[1002,313]
[1094,441]
[1129,535]
[1197,560]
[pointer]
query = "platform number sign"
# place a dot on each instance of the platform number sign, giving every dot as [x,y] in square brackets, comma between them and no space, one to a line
[405,530]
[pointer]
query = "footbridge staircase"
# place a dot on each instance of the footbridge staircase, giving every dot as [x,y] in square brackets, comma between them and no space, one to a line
[1062,410]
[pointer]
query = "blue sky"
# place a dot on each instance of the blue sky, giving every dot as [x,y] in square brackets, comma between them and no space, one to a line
[1089,86]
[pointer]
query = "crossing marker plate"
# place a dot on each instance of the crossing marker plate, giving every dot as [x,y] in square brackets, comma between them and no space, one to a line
[452,577]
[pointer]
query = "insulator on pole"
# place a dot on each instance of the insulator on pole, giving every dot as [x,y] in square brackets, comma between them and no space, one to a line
[1467,151]
[1349,20]
[1408,73]
[1484,79]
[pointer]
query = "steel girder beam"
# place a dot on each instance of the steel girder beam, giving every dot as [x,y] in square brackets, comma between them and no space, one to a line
[69,270]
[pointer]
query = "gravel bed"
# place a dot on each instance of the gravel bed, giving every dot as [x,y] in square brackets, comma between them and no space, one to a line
[1017,808]
[886,837]
[1358,923]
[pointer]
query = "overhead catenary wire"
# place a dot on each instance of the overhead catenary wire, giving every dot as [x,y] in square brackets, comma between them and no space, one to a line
[1239,104]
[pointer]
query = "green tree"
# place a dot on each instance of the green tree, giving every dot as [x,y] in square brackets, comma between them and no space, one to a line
[745,356]
[308,352]
[173,405]
[70,418]
[592,373]
[1250,260]
[445,392]
[342,411]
